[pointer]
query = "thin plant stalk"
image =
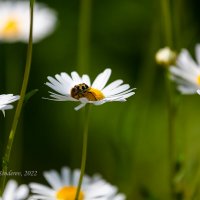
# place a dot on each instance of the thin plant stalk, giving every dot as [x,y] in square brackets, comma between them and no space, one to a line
[6,157]
[84,150]
[84,35]
[167,22]
[83,66]
[171,136]
[178,7]
[14,65]
[170,104]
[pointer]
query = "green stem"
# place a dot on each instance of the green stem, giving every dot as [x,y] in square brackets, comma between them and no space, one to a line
[170,103]
[6,157]
[84,35]
[171,137]
[177,13]
[84,150]
[167,22]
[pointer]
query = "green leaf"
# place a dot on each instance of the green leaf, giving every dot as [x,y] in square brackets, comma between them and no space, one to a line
[29,95]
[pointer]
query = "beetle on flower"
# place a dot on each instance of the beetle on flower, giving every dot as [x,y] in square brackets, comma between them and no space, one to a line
[77,88]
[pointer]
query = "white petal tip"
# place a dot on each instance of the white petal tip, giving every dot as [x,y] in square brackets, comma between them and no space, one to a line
[79,107]
[4,114]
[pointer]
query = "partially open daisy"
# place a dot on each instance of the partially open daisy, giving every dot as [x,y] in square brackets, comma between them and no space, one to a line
[63,187]
[15,21]
[5,100]
[77,88]
[187,72]
[14,192]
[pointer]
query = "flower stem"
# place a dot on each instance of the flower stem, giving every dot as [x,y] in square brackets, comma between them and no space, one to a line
[6,157]
[84,150]
[170,102]
[167,22]
[84,35]
[171,138]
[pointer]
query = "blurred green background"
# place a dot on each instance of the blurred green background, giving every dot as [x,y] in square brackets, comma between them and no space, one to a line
[128,142]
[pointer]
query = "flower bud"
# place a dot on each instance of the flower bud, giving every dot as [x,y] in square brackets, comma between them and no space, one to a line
[165,57]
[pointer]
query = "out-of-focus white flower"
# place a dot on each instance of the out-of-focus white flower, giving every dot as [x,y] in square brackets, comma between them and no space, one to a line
[76,88]
[5,100]
[14,192]
[15,21]
[63,187]
[187,72]
[165,56]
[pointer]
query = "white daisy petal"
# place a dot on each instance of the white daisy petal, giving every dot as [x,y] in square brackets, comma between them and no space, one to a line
[41,189]
[40,197]
[76,78]
[102,79]
[58,89]
[5,100]
[93,188]
[75,177]
[97,81]
[86,79]
[64,82]
[186,90]
[185,61]
[10,190]
[112,86]
[62,97]
[53,179]
[67,78]
[79,106]
[121,93]
[65,174]
[183,74]
[6,107]
[118,90]
[22,192]
[13,192]
[120,197]
[120,97]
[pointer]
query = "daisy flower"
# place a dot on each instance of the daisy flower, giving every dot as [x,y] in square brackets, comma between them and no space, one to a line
[5,100]
[187,72]
[14,192]
[15,21]
[77,88]
[63,187]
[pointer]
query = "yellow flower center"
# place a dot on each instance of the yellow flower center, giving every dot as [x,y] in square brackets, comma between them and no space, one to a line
[83,91]
[11,28]
[94,95]
[68,193]
[198,80]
